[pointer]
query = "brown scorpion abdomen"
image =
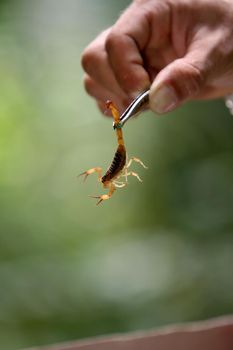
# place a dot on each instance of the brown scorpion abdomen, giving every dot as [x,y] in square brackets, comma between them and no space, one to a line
[117,165]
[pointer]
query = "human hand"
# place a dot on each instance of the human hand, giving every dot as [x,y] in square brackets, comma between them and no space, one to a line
[183,49]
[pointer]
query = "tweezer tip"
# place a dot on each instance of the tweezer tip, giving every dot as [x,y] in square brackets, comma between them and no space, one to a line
[117,125]
[134,108]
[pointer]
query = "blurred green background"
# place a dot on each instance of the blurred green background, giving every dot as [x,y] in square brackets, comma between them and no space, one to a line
[157,252]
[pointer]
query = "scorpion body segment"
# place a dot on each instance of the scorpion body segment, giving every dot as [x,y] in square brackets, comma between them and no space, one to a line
[117,165]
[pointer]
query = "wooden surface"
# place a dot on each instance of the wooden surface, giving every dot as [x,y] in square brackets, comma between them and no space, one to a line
[216,334]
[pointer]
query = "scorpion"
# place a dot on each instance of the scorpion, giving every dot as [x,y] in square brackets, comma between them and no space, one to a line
[119,166]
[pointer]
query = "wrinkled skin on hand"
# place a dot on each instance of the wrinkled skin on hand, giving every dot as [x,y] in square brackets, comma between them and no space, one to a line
[183,49]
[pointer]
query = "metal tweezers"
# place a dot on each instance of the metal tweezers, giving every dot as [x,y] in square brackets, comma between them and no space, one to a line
[138,105]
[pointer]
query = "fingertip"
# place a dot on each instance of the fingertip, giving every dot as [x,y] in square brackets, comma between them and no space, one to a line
[176,83]
[88,83]
[163,98]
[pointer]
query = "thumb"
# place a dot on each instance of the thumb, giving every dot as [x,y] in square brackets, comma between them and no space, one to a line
[177,82]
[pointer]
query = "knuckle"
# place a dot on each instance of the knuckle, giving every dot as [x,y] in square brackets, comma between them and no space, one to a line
[88,59]
[193,78]
[197,77]
[94,53]
[112,41]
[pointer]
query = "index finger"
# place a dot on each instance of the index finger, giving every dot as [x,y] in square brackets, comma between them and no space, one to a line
[128,38]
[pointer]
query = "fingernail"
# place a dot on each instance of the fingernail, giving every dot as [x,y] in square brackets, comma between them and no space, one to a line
[163,99]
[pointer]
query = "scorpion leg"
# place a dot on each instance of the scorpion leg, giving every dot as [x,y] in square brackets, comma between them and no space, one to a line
[137,160]
[132,173]
[119,184]
[104,197]
[91,171]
